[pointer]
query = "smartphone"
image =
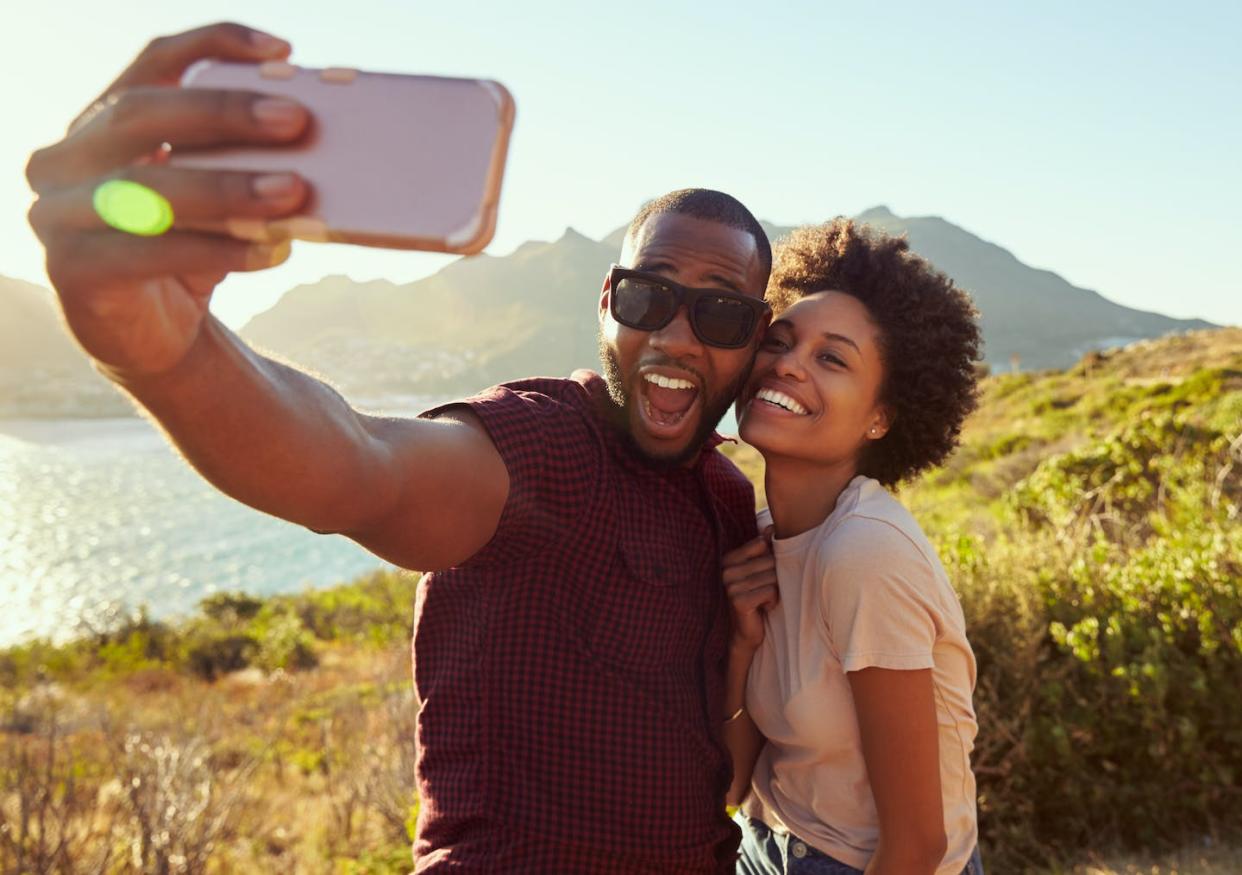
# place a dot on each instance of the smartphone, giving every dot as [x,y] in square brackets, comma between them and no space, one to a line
[401,162]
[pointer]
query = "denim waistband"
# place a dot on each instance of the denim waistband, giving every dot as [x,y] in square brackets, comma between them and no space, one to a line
[765,851]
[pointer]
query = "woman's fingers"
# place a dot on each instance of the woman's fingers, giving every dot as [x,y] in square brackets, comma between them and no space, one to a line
[742,569]
[760,574]
[749,575]
[750,584]
[137,123]
[760,597]
[749,550]
[768,597]
[195,196]
[744,585]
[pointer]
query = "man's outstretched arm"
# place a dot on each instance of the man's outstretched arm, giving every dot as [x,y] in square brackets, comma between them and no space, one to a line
[422,493]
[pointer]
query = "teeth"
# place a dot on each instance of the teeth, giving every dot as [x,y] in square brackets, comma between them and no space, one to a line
[781,400]
[668,382]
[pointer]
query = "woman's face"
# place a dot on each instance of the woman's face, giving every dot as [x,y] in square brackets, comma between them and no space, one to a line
[814,391]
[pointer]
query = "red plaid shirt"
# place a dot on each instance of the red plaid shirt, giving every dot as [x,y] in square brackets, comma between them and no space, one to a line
[570,674]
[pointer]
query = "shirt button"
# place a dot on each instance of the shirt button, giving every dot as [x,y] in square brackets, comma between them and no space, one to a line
[799,850]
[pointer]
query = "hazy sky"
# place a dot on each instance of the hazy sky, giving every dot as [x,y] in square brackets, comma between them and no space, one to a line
[1098,140]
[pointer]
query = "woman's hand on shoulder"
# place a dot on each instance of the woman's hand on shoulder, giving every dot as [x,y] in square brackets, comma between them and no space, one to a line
[750,582]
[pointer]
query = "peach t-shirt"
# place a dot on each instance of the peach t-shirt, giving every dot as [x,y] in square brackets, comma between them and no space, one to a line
[863,589]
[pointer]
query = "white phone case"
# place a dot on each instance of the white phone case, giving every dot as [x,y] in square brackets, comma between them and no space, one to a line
[403,162]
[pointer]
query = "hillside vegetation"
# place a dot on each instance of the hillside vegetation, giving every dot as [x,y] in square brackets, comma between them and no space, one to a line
[1090,523]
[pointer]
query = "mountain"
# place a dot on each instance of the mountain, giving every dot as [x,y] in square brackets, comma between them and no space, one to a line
[30,333]
[476,322]
[42,371]
[487,319]
[1025,312]
[533,312]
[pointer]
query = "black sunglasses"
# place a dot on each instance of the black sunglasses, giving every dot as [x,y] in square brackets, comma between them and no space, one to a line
[649,301]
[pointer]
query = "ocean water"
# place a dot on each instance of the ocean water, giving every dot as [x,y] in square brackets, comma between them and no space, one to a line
[98,517]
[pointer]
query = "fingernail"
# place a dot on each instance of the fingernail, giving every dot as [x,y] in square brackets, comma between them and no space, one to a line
[266,43]
[277,115]
[275,186]
[265,255]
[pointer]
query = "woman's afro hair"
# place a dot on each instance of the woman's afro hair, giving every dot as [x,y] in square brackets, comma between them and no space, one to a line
[928,331]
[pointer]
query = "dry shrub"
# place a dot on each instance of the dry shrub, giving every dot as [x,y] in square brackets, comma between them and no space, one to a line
[370,779]
[89,794]
[49,821]
[177,807]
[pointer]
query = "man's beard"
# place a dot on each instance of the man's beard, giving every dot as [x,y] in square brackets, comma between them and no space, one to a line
[714,408]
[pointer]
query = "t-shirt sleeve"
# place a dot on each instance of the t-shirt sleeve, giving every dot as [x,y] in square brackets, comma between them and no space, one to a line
[553,457]
[876,597]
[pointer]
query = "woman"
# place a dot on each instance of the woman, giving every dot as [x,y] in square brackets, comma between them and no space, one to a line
[848,711]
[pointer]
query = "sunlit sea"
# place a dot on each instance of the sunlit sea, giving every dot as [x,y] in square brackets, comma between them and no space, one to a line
[100,517]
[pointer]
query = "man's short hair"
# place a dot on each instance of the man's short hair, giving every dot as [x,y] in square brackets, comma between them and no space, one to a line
[712,206]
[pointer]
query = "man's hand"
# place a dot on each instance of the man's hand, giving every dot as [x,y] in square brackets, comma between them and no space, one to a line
[750,581]
[424,494]
[136,304]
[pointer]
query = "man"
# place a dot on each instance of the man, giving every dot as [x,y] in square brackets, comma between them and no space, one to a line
[568,650]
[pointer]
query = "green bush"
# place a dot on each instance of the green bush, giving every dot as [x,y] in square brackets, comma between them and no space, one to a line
[230,608]
[1161,466]
[378,609]
[210,652]
[231,631]
[284,643]
[1107,624]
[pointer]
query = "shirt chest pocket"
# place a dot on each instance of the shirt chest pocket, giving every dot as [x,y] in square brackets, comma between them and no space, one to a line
[649,613]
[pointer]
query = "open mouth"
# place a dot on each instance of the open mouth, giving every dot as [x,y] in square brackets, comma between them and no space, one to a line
[666,404]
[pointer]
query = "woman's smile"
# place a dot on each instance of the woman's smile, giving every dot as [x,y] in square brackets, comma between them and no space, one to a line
[821,357]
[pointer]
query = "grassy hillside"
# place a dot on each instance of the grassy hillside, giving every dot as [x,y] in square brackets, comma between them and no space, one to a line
[1090,525]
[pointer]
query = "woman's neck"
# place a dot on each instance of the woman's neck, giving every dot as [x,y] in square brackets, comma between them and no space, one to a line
[802,494]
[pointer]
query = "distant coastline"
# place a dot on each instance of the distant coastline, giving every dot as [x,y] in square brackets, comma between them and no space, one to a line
[61,393]
[99,516]
[83,399]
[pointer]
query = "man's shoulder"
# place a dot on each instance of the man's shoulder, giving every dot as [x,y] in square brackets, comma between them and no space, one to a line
[732,492]
[537,401]
[575,392]
[720,469]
